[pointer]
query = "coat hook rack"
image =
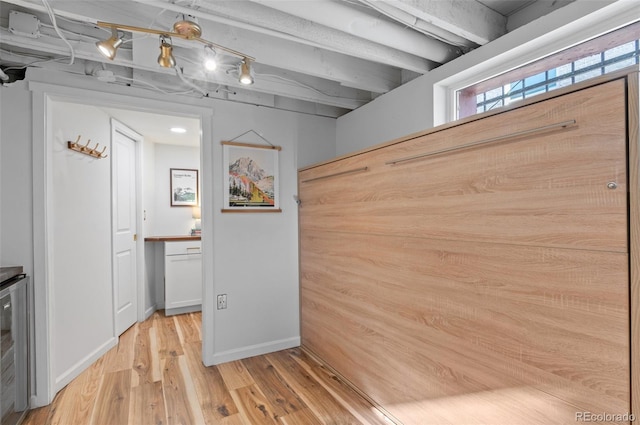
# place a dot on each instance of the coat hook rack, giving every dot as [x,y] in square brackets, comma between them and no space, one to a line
[85,149]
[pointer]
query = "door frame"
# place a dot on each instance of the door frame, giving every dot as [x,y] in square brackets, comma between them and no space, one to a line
[119,127]
[64,89]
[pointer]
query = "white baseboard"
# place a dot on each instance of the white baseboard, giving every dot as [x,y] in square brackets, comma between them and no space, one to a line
[78,368]
[148,312]
[182,310]
[255,350]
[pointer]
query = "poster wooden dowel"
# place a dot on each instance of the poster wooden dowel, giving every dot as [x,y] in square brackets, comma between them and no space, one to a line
[251,145]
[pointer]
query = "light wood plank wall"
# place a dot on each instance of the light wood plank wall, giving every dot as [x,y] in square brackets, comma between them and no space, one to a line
[488,284]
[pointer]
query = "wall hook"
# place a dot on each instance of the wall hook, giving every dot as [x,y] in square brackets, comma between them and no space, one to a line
[85,149]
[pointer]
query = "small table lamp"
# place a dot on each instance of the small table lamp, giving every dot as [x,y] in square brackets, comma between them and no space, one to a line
[197,225]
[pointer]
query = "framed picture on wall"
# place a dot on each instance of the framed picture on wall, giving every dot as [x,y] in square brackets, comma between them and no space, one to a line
[184,187]
[251,178]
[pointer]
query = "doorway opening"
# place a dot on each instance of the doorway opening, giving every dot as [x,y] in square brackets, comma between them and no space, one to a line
[169,143]
[78,268]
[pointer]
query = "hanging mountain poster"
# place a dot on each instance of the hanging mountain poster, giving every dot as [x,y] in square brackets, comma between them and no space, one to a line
[184,187]
[251,181]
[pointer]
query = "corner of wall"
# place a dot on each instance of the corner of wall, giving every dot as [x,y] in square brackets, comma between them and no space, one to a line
[255,350]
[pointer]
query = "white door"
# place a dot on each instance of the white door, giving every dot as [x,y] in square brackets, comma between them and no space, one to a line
[123,186]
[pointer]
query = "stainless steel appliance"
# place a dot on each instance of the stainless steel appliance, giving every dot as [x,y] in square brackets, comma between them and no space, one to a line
[14,346]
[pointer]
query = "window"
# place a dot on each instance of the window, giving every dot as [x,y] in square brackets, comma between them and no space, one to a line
[605,54]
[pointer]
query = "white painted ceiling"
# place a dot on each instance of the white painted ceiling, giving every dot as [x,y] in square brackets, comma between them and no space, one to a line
[156,128]
[323,57]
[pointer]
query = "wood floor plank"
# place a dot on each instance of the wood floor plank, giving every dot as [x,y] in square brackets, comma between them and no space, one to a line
[281,397]
[323,406]
[68,398]
[189,330]
[178,330]
[233,420]
[168,340]
[147,405]
[155,376]
[156,373]
[235,375]
[301,417]
[88,396]
[80,395]
[38,416]
[215,400]
[176,399]
[339,390]
[190,391]
[142,360]
[44,415]
[253,406]
[112,405]
[121,356]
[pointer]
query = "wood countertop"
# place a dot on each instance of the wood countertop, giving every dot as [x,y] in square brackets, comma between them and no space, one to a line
[171,238]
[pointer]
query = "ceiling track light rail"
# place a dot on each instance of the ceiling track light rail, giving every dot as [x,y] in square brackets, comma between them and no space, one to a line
[186,30]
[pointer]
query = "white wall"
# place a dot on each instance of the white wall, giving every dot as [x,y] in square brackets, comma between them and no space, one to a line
[161,218]
[151,292]
[168,220]
[251,257]
[427,101]
[402,111]
[80,216]
[16,205]
[16,246]
[256,255]
[315,140]
[149,185]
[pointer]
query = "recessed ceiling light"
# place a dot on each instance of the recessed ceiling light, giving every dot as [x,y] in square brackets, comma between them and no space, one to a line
[178,130]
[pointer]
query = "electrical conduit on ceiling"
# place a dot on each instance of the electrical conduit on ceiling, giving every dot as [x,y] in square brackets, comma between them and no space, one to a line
[419,24]
[257,20]
[363,25]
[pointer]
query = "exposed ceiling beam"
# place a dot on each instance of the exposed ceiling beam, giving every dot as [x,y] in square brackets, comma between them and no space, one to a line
[55,47]
[533,11]
[264,20]
[348,71]
[409,20]
[287,54]
[85,11]
[364,23]
[467,18]
[325,93]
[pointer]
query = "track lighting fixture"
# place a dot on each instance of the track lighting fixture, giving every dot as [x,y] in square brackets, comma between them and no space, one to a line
[210,63]
[185,29]
[244,72]
[166,58]
[109,46]
[188,28]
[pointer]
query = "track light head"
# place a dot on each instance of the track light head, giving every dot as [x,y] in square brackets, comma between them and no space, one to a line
[166,58]
[244,72]
[210,63]
[109,46]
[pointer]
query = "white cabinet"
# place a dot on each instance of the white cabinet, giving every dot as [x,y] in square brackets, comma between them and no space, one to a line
[182,277]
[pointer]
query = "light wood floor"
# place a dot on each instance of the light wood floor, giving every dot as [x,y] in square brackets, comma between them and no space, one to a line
[155,376]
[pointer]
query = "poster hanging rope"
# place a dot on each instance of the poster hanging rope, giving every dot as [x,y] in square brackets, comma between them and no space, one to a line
[234,143]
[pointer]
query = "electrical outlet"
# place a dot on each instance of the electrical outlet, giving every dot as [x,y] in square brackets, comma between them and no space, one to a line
[222,301]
